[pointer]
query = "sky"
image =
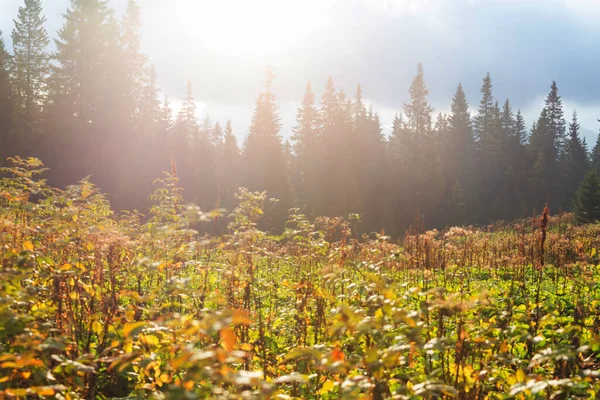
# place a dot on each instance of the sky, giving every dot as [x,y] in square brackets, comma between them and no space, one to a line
[223,46]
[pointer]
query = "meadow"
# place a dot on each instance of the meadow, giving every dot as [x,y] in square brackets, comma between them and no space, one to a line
[100,305]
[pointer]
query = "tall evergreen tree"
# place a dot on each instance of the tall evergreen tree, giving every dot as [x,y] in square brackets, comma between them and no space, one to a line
[556,120]
[595,155]
[587,203]
[485,113]
[520,129]
[6,106]
[30,65]
[575,162]
[229,168]
[306,149]
[87,122]
[182,137]
[338,185]
[425,169]
[542,185]
[418,111]
[459,145]
[136,80]
[264,158]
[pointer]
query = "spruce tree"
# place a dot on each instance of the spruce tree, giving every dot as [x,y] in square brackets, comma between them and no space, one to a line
[458,147]
[418,111]
[587,203]
[595,155]
[423,179]
[338,185]
[6,106]
[183,135]
[484,118]
[30,65]
[520,129]
[135,78]
[488,134]
[229,168]
[87,120]
[556,120]
[542,184]
[306,149]
[575,163]
[264,158]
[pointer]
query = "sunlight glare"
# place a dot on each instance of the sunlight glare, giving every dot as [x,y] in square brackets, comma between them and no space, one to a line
[249,27]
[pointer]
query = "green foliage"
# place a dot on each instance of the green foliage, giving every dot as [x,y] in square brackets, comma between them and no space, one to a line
[30,66]
[587,202]
[101,305]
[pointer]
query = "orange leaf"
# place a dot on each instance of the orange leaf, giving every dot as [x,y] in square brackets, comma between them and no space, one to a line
[228,338]
[337,355]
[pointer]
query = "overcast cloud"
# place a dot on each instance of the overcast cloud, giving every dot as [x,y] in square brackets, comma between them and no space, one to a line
[523,44]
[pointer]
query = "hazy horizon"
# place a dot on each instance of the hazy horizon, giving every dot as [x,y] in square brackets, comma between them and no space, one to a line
[376,43]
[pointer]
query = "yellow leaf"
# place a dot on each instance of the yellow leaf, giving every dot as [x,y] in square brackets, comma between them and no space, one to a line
[28,245]
[133,328]
[26,374]
[327,387]
[44,391]
[150,340]
[520,375]
[97,327]
[228,338]
[246,347]
[503,347]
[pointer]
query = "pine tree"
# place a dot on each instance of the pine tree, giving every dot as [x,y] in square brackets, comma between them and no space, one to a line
[135,78]
[484,119]
[85,70]
[370,177]
[88,123]
[595,155]
[264,158]
[458,147]
[575,163]
[216,135]
[182,141]
[486,157]
[418,111]
[542,153]
[556,121]
[423,178]
[587,203]
[338,185]
[186,126]
[520,129]
[306,149]
[30,65]
[229,168]
[6,106]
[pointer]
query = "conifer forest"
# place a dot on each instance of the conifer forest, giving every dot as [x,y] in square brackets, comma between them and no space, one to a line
[149,251]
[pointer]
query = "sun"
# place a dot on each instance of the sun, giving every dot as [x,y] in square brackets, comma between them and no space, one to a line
[249,27]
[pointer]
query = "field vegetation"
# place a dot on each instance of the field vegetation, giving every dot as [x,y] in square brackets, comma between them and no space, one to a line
[96,304]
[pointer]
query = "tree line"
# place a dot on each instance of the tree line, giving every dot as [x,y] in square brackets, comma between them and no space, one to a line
[92,107]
